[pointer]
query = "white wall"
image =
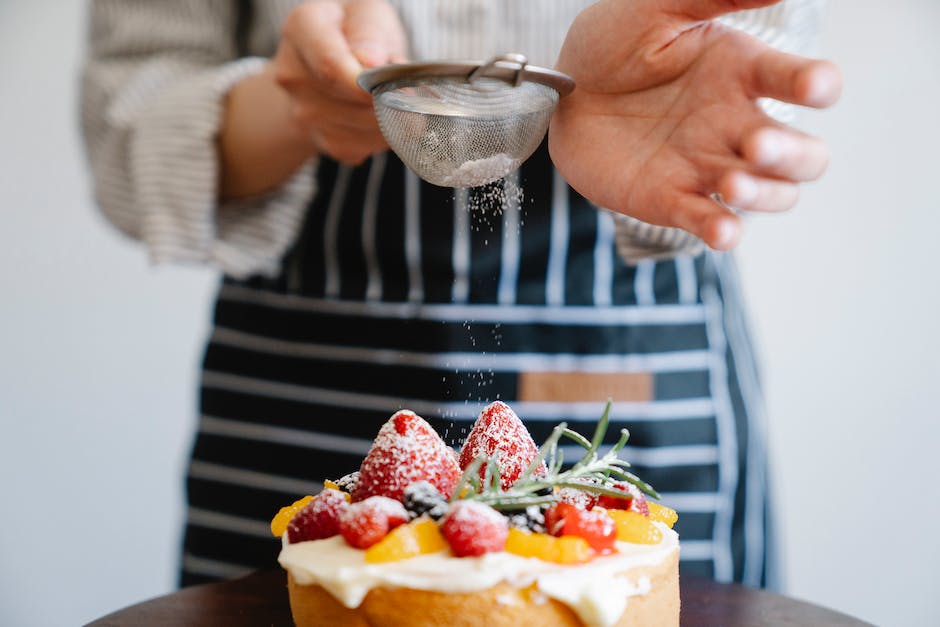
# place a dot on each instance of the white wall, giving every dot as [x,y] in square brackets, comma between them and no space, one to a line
[845,296]
[99,351]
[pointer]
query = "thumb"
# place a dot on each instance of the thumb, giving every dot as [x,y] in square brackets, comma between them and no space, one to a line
[374,32]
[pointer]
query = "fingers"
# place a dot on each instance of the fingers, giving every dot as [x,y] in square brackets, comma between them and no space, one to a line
[696,10]
[315,32]
[753,193]
[795,79]
[785,153]
[374,32]
[708,220]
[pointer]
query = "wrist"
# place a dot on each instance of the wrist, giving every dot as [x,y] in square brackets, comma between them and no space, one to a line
[260,146]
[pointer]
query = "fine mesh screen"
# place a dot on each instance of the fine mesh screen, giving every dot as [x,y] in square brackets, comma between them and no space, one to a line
[457,133]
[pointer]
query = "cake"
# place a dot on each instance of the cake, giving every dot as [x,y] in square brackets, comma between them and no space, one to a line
[501,534]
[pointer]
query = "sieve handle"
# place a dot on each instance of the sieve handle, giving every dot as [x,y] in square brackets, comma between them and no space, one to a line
[512,61]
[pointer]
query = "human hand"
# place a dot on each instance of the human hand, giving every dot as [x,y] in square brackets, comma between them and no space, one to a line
[324,46]
[665,114]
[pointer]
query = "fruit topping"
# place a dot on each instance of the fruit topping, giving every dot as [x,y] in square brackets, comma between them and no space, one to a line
[531,518]
[423,498]
[594,526]
[632,499]
[407,449]
[283,517]
[319,518]
[499,434]
[663,514]
[634,527]
[366,522]
[473,528]
[564,550]
[347,483]
[576,497]
[410,540]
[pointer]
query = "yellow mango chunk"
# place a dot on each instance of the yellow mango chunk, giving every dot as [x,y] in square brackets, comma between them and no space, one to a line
[283,517]
[634,527]
[663,514]
[410,540]
[563,550]
[572,550]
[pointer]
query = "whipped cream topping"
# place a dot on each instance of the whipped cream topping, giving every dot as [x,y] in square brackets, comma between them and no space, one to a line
[597,591]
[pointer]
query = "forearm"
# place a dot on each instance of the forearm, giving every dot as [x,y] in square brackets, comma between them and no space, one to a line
[260,146]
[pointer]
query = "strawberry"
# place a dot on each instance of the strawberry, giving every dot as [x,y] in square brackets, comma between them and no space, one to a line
[319,518]
[366,522]
[595,526]
[406,450]
[632,500]
[498,433]
[473,528]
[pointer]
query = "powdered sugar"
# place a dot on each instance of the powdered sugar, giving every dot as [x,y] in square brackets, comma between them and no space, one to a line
[406,449]
[498,433]
[481,171]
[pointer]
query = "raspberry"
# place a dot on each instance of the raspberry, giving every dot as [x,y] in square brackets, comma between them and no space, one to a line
[423,498]
[366,522]
[498,433]
[595,526]
[632,500]
[318,519]
[473,528]
[406,450]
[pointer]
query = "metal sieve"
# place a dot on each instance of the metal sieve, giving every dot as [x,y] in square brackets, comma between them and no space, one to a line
[465,123]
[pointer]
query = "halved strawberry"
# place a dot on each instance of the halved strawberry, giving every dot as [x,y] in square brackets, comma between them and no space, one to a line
[498,433]
[406,450]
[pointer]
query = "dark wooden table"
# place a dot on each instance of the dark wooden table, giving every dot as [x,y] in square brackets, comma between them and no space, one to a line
[261,599]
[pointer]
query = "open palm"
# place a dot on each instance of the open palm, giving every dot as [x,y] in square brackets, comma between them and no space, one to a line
[666,114]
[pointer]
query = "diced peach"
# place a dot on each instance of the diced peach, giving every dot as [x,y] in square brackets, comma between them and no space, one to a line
[405,541]
[563,550]
[634,527]
[572,550]
[663,514]
[283,517]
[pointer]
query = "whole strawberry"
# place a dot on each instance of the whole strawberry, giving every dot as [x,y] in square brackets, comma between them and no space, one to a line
[319,518]
[473,528]
[499,434]
[366,522]
[632,500]
[406,450]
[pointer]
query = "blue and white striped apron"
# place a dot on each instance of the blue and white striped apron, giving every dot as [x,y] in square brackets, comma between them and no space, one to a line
[399,294]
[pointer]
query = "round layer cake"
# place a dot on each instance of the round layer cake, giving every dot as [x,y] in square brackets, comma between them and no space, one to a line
[501,534]
[330,583]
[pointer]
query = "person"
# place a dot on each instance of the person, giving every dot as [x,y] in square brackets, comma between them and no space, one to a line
[234,134]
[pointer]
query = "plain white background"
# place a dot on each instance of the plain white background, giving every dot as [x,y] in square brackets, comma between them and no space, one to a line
[99,350]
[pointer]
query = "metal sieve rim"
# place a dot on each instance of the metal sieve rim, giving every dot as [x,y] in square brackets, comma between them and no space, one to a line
[501,68]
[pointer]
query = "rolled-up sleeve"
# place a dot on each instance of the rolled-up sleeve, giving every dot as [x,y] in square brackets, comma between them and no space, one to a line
[153,91]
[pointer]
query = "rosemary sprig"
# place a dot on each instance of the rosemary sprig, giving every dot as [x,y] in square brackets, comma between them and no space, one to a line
[593,473]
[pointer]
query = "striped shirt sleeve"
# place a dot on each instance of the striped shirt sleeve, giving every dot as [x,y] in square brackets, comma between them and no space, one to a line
[153,87]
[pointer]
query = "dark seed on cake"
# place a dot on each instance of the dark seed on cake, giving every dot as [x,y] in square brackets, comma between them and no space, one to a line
[422,498]
[347,483]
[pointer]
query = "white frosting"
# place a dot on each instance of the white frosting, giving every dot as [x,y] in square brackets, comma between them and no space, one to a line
[597,591]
